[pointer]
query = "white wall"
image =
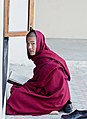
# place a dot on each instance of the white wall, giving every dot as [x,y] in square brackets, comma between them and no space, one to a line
[17,50]
[62,18]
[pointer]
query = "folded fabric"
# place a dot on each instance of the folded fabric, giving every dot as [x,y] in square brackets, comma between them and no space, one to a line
[83,117]
[75,114]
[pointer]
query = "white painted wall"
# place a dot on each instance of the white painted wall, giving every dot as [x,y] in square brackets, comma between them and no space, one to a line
[17,50]
[62,18]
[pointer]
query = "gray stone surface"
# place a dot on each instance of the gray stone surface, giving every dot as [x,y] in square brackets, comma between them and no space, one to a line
[34,117]
[70,49]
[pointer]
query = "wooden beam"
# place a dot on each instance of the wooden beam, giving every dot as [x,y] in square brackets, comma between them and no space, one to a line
[14,34]
[31,14]
[6,16]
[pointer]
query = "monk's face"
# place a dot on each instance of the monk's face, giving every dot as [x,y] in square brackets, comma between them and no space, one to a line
[31,45]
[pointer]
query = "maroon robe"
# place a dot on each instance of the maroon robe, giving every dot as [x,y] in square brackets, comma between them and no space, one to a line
[48,89]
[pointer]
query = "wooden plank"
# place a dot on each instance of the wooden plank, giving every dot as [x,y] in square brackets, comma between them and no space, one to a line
[31,14]
[14,34]
[6,16]
[28,27]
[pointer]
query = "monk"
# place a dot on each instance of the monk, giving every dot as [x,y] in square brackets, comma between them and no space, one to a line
[47,91]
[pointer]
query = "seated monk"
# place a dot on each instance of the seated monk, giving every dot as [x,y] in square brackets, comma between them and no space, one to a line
[47,91]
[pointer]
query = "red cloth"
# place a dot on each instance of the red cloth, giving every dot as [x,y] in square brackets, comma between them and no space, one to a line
[48,89]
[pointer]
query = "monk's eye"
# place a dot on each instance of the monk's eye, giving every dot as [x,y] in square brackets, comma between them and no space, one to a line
[33,43]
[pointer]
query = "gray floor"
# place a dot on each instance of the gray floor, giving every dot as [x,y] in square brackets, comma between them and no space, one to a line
[70,49]
[75,53]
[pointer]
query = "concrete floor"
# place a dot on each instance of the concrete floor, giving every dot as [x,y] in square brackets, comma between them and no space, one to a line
[70,49]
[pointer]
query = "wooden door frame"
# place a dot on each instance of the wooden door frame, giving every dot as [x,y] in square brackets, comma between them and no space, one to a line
[7,33]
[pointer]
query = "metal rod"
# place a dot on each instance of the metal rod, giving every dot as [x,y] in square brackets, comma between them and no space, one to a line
[4,67]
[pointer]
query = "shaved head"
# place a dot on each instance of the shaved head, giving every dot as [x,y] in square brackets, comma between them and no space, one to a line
[31,34]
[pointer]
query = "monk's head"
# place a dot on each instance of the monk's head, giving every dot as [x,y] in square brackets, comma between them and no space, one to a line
[35,43]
